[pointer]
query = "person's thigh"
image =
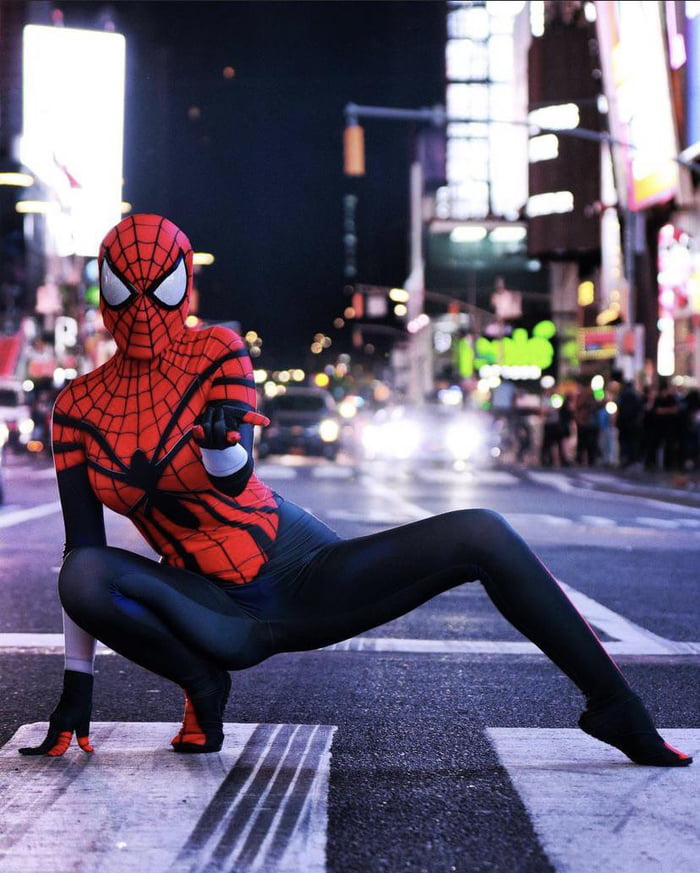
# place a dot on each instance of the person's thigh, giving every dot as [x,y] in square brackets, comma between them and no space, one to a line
[358,584]
[133,603]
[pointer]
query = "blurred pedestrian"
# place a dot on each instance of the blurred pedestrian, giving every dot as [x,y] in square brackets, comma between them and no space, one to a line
[587,427]
[662,449]
[607,442]
[523,439]
[648,394]
[162,433]
[551,448]
[629,422]
[691,430]
[566,425]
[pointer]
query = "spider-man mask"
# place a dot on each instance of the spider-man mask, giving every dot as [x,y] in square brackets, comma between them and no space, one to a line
[145,281]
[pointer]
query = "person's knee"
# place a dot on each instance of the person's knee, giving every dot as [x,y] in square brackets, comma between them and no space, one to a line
[80,573]
[482,528]
[486,521]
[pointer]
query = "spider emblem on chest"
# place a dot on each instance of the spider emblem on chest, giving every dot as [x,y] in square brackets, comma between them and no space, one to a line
[144,473]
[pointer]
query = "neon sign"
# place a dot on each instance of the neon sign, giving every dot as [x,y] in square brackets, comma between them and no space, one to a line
[519,356]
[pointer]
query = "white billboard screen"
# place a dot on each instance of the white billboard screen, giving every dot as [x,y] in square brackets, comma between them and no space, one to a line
[631,37]
[73,125]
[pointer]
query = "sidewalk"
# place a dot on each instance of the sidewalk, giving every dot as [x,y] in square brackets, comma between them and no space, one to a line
[672,486]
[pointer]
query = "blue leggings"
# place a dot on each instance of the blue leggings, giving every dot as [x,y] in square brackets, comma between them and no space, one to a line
[185,627]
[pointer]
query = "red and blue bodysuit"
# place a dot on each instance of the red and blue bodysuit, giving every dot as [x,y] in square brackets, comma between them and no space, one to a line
[163,434]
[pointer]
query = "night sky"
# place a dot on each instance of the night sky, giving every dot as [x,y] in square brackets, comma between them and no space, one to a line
[250,166]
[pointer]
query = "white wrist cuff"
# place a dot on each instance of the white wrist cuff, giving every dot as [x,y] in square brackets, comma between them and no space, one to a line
[224,462]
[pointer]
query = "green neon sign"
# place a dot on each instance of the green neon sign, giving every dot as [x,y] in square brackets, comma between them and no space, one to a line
[518,350]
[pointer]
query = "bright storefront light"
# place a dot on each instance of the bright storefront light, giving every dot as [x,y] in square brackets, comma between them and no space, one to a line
[19,180]
[563,116]
[468,233]
[550,203]
[73,125]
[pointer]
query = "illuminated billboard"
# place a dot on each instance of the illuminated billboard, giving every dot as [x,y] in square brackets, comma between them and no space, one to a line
[637,86]
[73,129]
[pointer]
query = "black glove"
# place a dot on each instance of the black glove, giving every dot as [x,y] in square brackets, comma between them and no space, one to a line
[218,427]
[71,714]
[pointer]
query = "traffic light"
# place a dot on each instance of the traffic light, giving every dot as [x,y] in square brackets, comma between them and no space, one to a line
[354,150]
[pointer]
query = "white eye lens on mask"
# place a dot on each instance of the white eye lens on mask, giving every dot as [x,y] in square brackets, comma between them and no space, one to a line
[172,289]
[113,290]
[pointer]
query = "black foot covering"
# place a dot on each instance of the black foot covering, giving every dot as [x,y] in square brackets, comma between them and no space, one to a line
[202,729]
[625,724]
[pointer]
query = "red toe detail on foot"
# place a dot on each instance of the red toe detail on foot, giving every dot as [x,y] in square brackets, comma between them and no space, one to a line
[681,755]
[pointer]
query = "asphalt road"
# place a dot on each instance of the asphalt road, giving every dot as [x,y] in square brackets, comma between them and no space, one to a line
[439,742]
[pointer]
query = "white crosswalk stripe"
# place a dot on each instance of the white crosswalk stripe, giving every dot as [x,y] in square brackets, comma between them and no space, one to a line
[258,805]
[11,516]
[597,521]
[658,523]
[596,812]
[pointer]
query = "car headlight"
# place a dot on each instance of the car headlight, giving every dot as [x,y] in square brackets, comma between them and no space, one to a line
[329,430]
[462,441]
[392,439]
[4,433]
[406,437]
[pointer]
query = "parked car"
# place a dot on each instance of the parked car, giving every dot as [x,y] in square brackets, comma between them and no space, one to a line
[303,421]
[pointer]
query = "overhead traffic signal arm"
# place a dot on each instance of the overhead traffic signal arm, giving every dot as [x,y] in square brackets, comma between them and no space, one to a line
[354,135]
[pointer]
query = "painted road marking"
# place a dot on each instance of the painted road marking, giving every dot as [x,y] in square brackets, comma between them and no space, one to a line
[406,508]
[632,648]
[388,518]
[644,644]
[18,516]
[19,471]
[598,521]
[274,471]
[36,643]
[413,511]
[554,480]
[258,805]
[372,517]
[628,638]
[620,628]
[458,477]
[270,470]
[332,471]
[662,523]
[594,811]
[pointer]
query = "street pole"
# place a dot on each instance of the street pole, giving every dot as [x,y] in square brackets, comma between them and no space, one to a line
[419,343]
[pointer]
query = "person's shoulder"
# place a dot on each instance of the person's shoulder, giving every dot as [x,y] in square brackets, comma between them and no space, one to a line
[77,388]
[218,336]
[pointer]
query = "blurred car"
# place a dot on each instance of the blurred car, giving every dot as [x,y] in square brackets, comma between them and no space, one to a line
[433,435]
[303,421]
